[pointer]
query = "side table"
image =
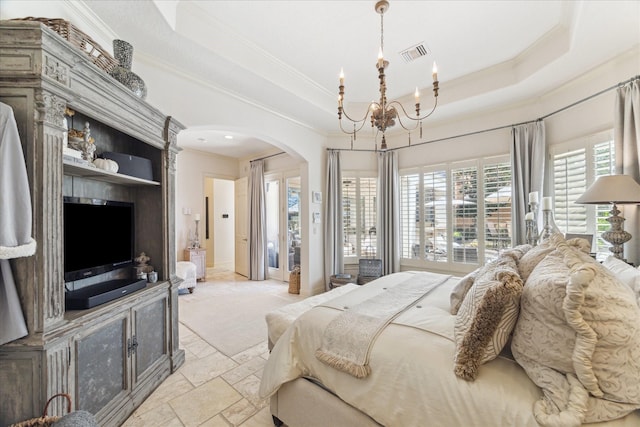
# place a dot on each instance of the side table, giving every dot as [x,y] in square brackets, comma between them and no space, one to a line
[340,279]
[198,256]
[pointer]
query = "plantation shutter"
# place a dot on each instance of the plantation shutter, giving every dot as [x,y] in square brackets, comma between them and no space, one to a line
[497,208]
[410,216]
[464,213]
[435,215]
[569,182]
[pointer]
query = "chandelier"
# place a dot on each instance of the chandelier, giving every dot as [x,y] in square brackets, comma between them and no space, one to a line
[384,114]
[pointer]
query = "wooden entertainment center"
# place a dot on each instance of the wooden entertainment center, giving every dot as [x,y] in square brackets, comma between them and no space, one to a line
[109,358]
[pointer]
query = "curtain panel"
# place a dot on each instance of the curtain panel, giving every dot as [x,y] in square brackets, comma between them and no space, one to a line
[528,154]
[626,128]
[333,232]
[258,263]
[388,212]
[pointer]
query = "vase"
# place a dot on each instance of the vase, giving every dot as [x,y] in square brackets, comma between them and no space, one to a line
[549,226]
[123,53]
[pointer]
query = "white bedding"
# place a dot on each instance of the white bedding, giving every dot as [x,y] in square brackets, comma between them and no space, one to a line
[279,320]
[412,381]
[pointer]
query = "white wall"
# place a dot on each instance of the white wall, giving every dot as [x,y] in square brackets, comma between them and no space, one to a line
[192,169]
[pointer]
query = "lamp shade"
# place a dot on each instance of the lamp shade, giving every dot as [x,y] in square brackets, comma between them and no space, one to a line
[617,189]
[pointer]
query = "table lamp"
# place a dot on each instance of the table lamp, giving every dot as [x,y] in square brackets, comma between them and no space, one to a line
[615,190]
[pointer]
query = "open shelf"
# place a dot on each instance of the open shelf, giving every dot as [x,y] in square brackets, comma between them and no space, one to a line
[92,172]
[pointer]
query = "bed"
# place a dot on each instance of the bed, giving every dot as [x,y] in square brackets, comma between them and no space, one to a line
[417,374]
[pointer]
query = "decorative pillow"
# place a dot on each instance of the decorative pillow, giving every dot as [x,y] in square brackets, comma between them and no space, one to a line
[529,260]
[484,273]
[460,290]
[578,338]
[625,273]
[487,316]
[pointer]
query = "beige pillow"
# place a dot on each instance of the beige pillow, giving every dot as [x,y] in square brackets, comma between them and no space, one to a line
[486,272]
[486,317]
[578,339]
[624,272]
[460,290]
[529,260]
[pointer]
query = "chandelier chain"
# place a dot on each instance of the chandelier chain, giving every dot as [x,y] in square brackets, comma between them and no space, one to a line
[382,30]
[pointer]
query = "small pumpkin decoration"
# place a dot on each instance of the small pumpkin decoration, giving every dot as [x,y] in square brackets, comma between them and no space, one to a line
[106,164]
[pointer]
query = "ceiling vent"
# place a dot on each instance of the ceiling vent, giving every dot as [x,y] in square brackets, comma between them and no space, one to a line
[415,52]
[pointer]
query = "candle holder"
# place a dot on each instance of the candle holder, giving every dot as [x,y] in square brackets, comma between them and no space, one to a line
[196,239]
[532,225]
[549,226]
[531,233]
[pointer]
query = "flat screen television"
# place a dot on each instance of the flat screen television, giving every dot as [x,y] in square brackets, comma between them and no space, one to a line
[98,236]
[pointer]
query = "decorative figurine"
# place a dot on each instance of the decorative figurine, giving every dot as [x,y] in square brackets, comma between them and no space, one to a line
[142,266]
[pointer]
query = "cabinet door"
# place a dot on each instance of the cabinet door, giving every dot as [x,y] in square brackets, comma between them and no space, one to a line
[101,365]
[150,335]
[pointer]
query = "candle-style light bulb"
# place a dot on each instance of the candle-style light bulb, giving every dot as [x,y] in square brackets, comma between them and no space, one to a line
[341,77]
[380,58]
[416,95]
[435,72]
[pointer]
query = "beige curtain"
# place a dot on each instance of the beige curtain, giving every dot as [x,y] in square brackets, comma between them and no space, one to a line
[528,153]
[626,128]
[333,231]
[258,263]
[388,212]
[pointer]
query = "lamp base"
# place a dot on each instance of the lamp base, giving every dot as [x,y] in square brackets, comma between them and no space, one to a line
[617,236]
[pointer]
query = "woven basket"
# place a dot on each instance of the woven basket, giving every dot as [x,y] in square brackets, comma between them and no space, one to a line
[79,39]
[45,420]
[294,280]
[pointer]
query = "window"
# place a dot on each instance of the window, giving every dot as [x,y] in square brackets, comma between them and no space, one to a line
[410,214]
[575,166]
[497,207]
[457,213]
[359,216]
[464,206]
[435,215]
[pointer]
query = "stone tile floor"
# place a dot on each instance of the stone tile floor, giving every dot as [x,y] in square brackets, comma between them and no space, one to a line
[210,389]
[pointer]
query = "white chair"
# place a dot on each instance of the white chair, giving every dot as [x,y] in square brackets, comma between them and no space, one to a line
[186,270]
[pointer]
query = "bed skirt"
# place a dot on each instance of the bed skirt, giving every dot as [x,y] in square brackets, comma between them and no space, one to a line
[303,403]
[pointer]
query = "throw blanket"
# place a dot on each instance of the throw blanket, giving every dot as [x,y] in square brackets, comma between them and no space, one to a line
[348,338]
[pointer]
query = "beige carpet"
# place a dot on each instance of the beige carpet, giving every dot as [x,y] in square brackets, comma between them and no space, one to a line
[236,326]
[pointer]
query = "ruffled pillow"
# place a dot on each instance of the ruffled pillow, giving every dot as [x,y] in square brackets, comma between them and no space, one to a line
[578,338]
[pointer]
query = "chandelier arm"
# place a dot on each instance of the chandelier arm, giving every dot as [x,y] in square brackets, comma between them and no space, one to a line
[362,120]
[415,119]
[353,132]
[409,128]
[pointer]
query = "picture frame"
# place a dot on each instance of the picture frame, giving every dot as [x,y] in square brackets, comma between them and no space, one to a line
[316,197]
[316,217]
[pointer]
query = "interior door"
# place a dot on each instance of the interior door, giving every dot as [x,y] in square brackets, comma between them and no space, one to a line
[241,226]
